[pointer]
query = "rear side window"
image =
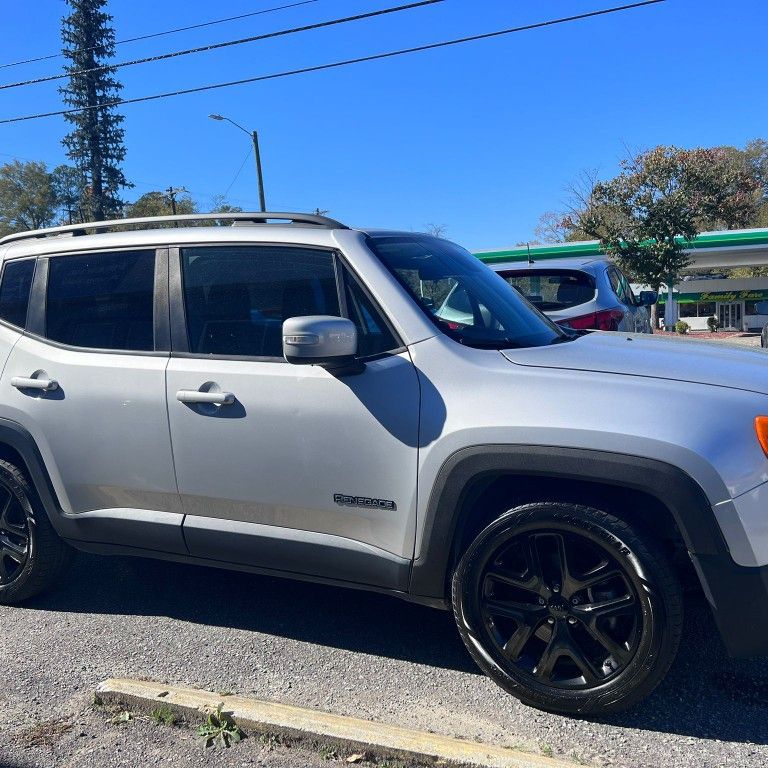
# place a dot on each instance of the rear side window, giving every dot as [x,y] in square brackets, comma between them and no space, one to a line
[551,290]
[102,301]
[15,285]
[236,298]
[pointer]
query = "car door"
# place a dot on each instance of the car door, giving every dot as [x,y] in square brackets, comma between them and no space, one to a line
[87,381]
[631,321]
[288,467]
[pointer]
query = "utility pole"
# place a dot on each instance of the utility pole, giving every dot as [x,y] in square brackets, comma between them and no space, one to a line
[262,201]
[255,139]
[172,192]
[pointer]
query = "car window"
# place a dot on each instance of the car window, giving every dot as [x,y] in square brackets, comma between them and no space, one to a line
[621,287]
[464,298]
[237,297]
[373,334]
[102,300]
[15,285]
[551,290]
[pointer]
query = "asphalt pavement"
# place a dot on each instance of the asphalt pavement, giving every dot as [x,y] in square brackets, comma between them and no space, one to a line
[343,651]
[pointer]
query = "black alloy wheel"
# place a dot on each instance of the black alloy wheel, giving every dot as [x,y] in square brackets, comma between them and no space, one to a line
[14,536]
[568,608]
[560,608]
[32,557]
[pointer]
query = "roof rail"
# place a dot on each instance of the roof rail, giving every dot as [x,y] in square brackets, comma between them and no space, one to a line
[150,221]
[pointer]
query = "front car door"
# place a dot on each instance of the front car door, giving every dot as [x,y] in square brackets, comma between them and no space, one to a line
[288,467]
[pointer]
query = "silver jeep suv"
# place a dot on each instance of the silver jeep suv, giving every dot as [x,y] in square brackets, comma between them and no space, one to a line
[284,398]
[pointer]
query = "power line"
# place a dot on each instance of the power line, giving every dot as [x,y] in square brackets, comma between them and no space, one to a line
[337,64]
[239,171]
[227,44]
[166,32]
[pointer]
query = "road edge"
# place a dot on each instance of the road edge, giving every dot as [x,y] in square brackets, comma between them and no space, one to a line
[300,723]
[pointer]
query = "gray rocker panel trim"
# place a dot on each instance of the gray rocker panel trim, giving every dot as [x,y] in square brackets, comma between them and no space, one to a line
[295,551]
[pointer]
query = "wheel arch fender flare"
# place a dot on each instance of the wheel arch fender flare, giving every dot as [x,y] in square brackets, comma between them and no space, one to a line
[446,511]
[15,436]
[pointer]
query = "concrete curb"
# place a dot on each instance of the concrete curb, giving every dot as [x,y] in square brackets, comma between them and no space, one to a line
[300,723]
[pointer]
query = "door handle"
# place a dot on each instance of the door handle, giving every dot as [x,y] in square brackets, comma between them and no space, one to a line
[196,396]
[25,382]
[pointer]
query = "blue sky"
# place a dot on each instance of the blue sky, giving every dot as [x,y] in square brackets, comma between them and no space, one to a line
[481,138]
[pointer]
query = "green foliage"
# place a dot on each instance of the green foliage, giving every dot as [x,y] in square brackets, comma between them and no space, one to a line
[68,188]
[121,717]
[662,197]
[163,715]
[96,142]
[682,327]
[159,204]
[27,197]
[712,323]
[219,729]
[328,752]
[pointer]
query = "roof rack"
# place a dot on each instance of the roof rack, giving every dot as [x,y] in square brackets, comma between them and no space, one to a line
[236,218]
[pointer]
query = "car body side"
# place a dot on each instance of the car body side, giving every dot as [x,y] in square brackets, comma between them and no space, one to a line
[482,416]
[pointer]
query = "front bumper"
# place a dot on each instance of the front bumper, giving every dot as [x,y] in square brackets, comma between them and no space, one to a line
[744,524]
[738,597]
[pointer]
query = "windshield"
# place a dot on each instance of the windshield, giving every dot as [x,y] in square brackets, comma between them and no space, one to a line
[464,298]
[551,290]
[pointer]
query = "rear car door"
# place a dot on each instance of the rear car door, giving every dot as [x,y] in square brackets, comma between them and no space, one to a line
[288,467]
[87,381]
[633,313]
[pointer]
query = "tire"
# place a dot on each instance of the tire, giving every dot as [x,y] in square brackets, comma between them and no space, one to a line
[594,636]
[32,557]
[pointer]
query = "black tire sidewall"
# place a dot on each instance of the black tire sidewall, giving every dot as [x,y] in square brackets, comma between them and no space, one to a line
[645,570]
[18,487]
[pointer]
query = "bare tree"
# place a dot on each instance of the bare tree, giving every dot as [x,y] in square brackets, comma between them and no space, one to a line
[436,230]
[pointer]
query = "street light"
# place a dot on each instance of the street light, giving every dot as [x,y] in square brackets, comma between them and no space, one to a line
[255,138]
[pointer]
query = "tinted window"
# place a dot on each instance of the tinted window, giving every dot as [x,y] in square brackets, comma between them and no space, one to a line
[464,298]
[236,298]
[14,291]
[373,333]
[551,290]
[102,301]
[621,287]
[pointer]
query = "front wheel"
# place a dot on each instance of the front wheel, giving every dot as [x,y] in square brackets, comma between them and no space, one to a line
[567,608]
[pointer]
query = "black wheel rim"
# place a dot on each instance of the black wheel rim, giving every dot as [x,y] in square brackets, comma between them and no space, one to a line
[559,607]
[14,537]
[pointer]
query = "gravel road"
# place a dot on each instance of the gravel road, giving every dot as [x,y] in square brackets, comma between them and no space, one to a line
[342,651]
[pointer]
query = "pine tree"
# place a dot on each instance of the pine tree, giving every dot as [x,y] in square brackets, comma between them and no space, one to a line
[95,144]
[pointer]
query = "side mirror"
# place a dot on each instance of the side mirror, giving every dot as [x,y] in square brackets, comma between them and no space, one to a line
[648,298]
[330,342]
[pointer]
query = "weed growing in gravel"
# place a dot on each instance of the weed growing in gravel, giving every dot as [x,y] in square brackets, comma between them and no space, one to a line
[121,717]
[163,715]
[327,752]
[271,741]
[43,734]
[546,750]
[219,729]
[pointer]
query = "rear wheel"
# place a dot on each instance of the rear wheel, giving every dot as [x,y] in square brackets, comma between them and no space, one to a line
[32,556]
[568,608]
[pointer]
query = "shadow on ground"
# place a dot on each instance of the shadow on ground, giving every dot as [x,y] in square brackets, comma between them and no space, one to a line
[706,694]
